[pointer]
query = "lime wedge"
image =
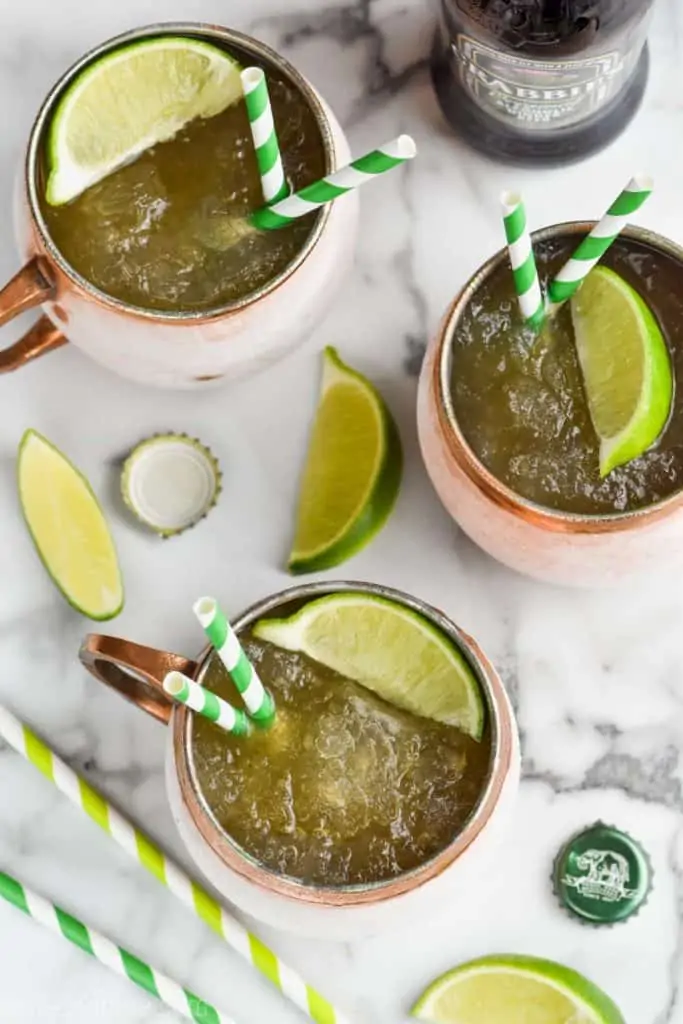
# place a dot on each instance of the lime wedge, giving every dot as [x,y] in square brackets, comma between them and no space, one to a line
[352,473]
[129,100]
[625,364]
[387,648]
[515,990]
[68,529]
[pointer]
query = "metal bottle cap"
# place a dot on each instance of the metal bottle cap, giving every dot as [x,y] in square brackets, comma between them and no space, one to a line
[602,875]
[170,482]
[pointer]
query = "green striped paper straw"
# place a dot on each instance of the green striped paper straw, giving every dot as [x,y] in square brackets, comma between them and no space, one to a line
[357,173]
[524,272]
[166,871]
[595,245]
[228,648]
[119,960]
[260,114]
[204,702]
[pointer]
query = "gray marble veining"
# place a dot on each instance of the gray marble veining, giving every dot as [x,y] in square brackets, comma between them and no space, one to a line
[597,679]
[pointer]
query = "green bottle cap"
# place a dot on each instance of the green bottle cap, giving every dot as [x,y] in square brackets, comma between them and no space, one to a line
[602,875]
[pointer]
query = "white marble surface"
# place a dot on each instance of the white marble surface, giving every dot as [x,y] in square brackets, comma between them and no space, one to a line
[597,678]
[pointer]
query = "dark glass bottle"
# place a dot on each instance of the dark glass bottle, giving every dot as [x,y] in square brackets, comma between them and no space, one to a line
[541,81]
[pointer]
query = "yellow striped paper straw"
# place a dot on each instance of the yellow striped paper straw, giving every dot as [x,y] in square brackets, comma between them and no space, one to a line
[166,871]
[117,959]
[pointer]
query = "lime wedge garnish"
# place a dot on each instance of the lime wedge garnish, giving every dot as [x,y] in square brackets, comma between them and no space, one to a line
[352,473]
[515,990]
[389,649]
[129,100]
[68,529]
[625,364]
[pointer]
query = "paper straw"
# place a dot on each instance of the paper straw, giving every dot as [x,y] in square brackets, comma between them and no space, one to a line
[524,272]
[260,114]
[119,960]
[595,245]
[228,648]
[357,173]
[166,871]
[204,702]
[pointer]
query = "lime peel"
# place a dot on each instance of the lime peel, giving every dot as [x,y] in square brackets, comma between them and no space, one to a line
[68,529]
[625,365]
[129,100]
[515,989]
[389,649]
[352,474]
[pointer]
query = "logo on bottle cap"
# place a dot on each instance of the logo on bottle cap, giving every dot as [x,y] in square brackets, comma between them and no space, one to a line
[602,875]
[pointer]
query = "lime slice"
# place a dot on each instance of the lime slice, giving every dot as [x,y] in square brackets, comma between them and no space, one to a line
[68,529]
[129,100]
[625,364]
[515,990]
[388,648]
[352,473]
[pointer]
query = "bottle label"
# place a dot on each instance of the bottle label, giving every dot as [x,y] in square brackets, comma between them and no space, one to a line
[535,94]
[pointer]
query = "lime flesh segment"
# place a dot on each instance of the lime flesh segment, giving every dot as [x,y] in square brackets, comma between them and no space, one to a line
[625,364]
[68,529]
[352,474]
[132,99]
[389,649]
[515,990]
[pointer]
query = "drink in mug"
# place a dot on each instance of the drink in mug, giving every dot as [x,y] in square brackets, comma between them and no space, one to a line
[350,814]
[507,437]
[134,272]
[345,788]
[149,233]
[520,401]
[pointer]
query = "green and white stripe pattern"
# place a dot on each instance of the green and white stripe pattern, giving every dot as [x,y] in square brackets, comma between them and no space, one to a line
[595,245]
[357,173]
[527,283]
[204,702]
[119,960]
[262,126]
[258,701]
[166,871]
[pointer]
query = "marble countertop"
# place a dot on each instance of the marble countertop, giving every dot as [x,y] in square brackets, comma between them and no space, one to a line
[597,678]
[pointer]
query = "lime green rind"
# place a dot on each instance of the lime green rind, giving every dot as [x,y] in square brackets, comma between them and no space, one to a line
[290,635]
[381,497]
[106,616]
[61,186]
[590,999]
[655,405]
[653,408]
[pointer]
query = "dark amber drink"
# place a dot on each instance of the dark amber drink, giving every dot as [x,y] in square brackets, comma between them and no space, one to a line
[519,399]
[345,789]
[147,234]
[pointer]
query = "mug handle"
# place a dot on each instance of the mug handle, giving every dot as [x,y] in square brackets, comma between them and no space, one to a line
[134,671]
[27,289]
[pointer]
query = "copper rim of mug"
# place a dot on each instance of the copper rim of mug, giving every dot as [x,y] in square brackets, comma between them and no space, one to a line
[493,489]
[238,860]
[209,32]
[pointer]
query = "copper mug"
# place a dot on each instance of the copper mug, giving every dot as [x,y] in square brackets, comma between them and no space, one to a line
[342,912]
[176,349]
[548,544]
